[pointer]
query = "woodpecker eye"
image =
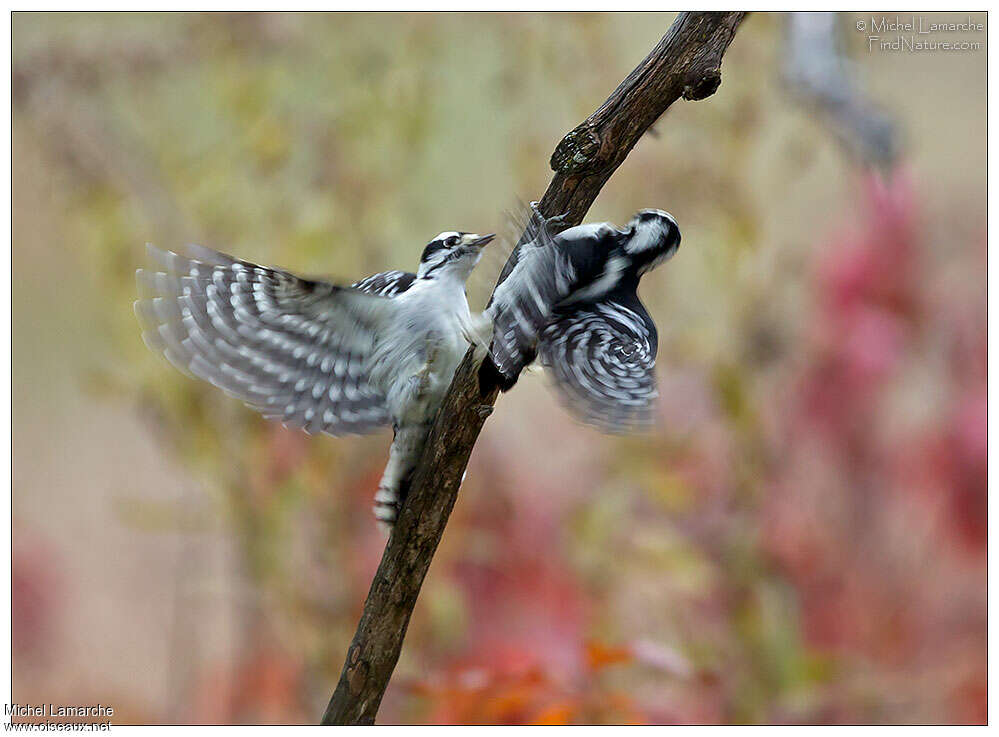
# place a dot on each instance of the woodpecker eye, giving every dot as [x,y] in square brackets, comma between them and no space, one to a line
[451,241]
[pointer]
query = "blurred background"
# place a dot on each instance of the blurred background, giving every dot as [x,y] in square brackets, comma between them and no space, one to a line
[802,539]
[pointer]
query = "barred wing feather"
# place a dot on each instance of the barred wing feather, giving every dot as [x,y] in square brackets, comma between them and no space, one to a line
[602,358]
[386,283]
[291,348]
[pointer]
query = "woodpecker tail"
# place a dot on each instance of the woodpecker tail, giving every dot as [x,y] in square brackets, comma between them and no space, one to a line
[407,445]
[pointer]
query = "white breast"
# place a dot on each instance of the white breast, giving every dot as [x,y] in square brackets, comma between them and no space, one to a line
[419,354]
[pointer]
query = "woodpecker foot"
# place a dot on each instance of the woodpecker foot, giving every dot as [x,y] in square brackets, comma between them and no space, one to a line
[559,221]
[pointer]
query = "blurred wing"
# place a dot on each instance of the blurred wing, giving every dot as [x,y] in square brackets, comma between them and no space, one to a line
[523,303]
[293,349]
[494,260]
[386,283]
[602,357]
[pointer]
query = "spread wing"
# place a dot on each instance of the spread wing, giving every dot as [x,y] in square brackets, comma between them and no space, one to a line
[291,348]
[602,358]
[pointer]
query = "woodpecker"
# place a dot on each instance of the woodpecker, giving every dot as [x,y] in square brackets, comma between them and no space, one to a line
[571,301]
[316,355]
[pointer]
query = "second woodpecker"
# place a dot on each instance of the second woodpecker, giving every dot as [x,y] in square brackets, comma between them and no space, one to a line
[572,301]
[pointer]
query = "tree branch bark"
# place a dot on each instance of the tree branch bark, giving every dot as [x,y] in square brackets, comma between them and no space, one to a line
[685,63]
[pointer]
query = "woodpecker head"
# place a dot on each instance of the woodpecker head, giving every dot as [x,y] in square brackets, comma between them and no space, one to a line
[651,238]
[452,253]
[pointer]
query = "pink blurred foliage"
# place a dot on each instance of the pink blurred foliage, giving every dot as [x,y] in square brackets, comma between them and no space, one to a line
[846,482]
[526,595]
[38,594]
[868,302]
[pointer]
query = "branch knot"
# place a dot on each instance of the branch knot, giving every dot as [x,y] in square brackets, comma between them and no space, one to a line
[703,86]
[577,152]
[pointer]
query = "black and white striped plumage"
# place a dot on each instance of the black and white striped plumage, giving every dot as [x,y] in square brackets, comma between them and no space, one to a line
[386,283]
[571,300]
[315,355]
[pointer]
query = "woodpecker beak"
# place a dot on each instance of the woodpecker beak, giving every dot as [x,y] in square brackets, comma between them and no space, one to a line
[474,239]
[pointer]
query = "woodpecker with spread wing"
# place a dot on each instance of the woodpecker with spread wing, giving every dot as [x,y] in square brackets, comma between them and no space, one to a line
[316,355]
[571,300]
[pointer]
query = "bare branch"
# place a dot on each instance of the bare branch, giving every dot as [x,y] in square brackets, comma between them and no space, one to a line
[686,63]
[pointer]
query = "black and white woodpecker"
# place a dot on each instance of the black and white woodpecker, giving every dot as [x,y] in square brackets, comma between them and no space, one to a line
[572,302]
[316,355]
